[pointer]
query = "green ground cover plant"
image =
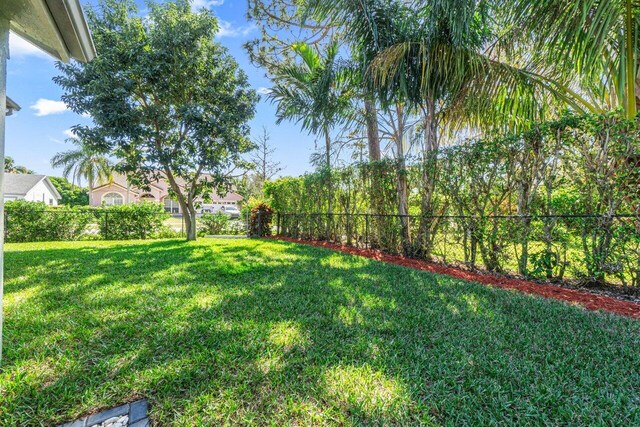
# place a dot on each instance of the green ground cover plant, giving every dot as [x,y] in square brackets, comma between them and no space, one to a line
[260,332]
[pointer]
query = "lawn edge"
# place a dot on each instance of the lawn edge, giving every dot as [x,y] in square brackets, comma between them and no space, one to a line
[585,299]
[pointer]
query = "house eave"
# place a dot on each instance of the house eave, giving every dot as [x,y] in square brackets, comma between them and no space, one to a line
[11,106]
[115,184]
[56,26]
[52,188]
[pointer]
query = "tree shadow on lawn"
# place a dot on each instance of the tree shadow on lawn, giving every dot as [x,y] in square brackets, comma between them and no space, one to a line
[264,332]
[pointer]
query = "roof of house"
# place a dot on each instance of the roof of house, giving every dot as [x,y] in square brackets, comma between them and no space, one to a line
[55,26]
[11,106]
[163,186]
[19,184]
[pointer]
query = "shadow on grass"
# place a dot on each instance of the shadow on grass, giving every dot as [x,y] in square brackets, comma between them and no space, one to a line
[263,332]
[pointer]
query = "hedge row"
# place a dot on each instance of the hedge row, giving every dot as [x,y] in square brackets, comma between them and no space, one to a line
[578,165]
[37,222]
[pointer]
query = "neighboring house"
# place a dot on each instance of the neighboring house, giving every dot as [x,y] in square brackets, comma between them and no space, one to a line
[117,191]
[32,188]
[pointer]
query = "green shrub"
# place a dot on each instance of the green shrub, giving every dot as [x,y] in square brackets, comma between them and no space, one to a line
[166,232]
[133,221]
[211,224]
[71,194]
[236,227]
[35,222]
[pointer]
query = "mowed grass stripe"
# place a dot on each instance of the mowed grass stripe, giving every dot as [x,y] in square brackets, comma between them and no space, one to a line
[253,332]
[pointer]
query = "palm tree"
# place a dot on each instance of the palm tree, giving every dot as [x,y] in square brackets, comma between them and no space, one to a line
[11,167]
[595,39]
[437,58]
[83,163]
[312,93]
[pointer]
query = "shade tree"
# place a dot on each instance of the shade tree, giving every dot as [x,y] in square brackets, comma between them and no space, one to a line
[166,99]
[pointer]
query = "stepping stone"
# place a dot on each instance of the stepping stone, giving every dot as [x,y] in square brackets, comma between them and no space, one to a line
[132,414]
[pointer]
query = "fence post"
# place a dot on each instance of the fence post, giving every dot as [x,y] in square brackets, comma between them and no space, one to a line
[366,231]
[278,230]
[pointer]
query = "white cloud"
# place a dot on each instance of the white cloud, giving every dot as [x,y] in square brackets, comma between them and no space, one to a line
[263,90]
[69,134]
[228,30]
[207,4]
[19,47]
[46,107]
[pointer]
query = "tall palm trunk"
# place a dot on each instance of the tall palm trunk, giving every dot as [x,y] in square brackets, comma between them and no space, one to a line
[630,60]
[401,182]
[373,138]
[327,142]
[90,184]
[429,171]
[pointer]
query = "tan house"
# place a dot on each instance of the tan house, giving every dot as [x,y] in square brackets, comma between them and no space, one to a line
[117,191]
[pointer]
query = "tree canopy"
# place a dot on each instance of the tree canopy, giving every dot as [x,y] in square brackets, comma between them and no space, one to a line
[11,167]
[72,195]
[166,99]
[83,163]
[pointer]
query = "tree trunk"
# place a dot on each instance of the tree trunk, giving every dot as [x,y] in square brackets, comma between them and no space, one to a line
[327,141]
[186,205]
[90,183]
[373,135]
[190,224]
[630,60]
[431,144]
[402,187]
[373,139]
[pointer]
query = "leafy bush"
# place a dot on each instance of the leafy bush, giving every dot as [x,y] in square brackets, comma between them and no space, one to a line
[212,224]
[166,232]
[72,195]
[133,221]
[35,222]
[260,220]
[236,227]
[220,224]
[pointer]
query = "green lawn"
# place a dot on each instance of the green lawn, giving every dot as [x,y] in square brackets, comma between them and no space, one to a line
[250,332]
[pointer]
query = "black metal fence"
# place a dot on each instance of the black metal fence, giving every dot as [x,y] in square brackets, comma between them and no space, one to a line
[586,248]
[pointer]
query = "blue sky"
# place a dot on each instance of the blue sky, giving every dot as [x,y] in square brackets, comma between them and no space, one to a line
[40,129]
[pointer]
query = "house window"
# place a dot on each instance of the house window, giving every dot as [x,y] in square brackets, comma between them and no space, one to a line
[111,199]
[171,205]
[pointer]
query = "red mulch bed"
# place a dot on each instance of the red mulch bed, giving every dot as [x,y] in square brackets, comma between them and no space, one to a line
[587,300]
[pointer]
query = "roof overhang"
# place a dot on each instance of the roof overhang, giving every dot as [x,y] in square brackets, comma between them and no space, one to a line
[52,188]
[55,26]
[11,106]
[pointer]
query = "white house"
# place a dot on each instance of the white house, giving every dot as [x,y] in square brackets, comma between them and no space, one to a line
[32,188]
